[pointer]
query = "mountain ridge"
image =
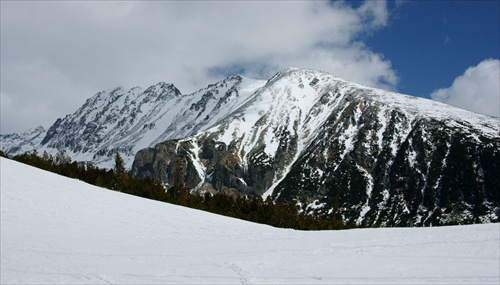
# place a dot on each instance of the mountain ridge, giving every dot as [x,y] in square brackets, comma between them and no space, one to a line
[330,146]
[120,120]
[310,138]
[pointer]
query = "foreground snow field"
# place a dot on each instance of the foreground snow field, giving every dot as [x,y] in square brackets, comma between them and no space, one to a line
[60,230]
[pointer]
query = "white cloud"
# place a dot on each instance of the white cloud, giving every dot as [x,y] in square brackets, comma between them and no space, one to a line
[477,90]
[58,53]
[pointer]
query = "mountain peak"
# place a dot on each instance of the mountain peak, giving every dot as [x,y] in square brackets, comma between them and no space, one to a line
[328,145]
[162,88]
[235,76]
[294,72]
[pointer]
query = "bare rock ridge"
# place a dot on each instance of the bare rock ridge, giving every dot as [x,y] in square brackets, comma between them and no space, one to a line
[338,148]
[330,146]
[126,121]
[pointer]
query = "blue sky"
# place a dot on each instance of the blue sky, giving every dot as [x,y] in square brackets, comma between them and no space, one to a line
[56,54]
[430,43]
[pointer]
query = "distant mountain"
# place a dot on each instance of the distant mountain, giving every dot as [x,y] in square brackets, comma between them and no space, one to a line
[330,146]
[24,142]
[126,121]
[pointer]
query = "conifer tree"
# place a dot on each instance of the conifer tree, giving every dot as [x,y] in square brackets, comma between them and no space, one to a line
[178,189]
[120,175]
[61,158]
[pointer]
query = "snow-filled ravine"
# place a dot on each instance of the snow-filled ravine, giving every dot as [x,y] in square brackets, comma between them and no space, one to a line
[60,230]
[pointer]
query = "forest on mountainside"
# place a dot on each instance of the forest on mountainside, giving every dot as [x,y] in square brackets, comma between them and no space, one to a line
[250,208]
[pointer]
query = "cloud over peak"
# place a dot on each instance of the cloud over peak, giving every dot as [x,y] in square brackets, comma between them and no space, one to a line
[477,90]
[78,48]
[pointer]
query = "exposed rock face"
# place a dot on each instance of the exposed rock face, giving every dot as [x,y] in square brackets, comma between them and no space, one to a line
[330,146]
[338,148]
[437,175]
[126,121]
[21,143]
[219,164]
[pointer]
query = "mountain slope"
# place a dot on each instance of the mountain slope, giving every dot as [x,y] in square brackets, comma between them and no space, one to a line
[330,146]
[338,148]
[126,121]
[57,230]
[24,142]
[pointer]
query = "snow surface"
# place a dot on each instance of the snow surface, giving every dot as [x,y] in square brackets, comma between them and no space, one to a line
[60,230]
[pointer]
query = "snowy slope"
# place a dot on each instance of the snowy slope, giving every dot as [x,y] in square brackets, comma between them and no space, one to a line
[330,146]
[338,148]
[125,121]
[59,230]
[23,142]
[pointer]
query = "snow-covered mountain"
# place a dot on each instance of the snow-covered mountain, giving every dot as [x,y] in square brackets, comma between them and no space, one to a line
[24,142]
[56,230]
[126,121]
[339,148]
[330,146]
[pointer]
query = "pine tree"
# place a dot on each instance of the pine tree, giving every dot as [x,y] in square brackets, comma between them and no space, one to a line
[61,158]
[120,175]
[2,154]
[178,189]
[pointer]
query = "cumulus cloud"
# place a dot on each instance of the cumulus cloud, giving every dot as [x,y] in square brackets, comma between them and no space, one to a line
[56,54]
[477,90]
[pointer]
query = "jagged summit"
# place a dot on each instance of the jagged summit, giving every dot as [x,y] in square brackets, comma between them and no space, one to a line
[339,148]
[23,142]
[304,136]
[127,120]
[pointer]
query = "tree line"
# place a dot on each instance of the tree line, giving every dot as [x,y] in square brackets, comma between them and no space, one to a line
[250,208]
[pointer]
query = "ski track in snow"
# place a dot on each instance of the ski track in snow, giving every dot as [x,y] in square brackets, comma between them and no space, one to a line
[60,230]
